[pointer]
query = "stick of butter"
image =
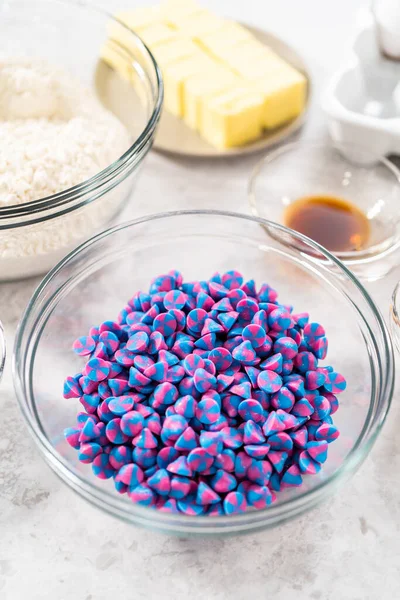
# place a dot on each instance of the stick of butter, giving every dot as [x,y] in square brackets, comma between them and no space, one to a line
[228,35]
[195,26]
[198,88]
[156,34]
[284,93]
[175,75]
[173,51]
[232,118]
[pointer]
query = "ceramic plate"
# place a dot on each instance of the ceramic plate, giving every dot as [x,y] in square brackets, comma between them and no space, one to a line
[174,137]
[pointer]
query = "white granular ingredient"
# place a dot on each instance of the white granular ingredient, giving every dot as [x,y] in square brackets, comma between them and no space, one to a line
[54,134]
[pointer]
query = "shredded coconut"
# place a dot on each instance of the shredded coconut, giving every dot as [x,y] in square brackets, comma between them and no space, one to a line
[54,134]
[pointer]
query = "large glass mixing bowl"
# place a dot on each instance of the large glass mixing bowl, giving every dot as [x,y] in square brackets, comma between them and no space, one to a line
[94,282]
[74,36]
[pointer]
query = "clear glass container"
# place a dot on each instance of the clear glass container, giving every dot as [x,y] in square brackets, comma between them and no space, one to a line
[73,35]
[95,281]
[303,169]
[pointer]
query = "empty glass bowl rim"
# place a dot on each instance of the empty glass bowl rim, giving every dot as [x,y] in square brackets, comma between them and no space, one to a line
[110,501]
[110,172]
[351,257]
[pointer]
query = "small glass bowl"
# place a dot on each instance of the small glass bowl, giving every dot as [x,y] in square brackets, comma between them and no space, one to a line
[395,316]
[304,169]
[73,35]
[95,281]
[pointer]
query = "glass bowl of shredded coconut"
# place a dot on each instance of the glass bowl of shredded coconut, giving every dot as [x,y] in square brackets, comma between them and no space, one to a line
[73,130]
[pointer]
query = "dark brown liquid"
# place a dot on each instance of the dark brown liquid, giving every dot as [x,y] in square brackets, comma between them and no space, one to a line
[334,223]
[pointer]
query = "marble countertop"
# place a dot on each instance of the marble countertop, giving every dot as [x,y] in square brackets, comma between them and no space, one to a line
[54,546]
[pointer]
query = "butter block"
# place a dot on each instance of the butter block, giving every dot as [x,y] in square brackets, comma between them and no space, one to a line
[232,118]
[198,88]
[140,18]
[228,35]
[156,34]
[284,93]
[175,76]
[250,58]
[174,50]
[195,26]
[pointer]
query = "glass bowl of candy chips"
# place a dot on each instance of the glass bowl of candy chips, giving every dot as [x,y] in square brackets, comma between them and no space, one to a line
[395,316]
[175,372]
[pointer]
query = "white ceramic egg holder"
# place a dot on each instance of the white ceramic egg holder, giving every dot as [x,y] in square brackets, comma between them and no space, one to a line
[362,101]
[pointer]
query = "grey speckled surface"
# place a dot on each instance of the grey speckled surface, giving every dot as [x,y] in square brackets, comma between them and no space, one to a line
[53,546]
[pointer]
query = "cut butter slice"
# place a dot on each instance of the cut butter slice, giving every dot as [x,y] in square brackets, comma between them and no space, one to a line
[228,35]
[232,118]
[284,92]
[198,88]
[156,34]
[175,75]
[174,50]
[197,25]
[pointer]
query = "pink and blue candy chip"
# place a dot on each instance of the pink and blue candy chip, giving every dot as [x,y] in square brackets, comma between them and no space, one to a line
[138,342]
[251,410]
[231,437]
[269,381]
[259,496]
[292,477]
[244,353]
[120,405]
[318,450]
[180,467]
[234,503]
[114,432]
[255,334]
[72,388]
[101,466]
[174,299]
[203,381]
[206,495]
[278,459]
[327,432]
[252,433]
[336,383]
[195,320]
[280,441]
[189,507]
[160,482]
[145,439]
[142,494]
[120,456]
[130,474]
[89,451]
[212,442]
[71,435]
[208,411]
[307,465]
[84,345]
[200,460]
